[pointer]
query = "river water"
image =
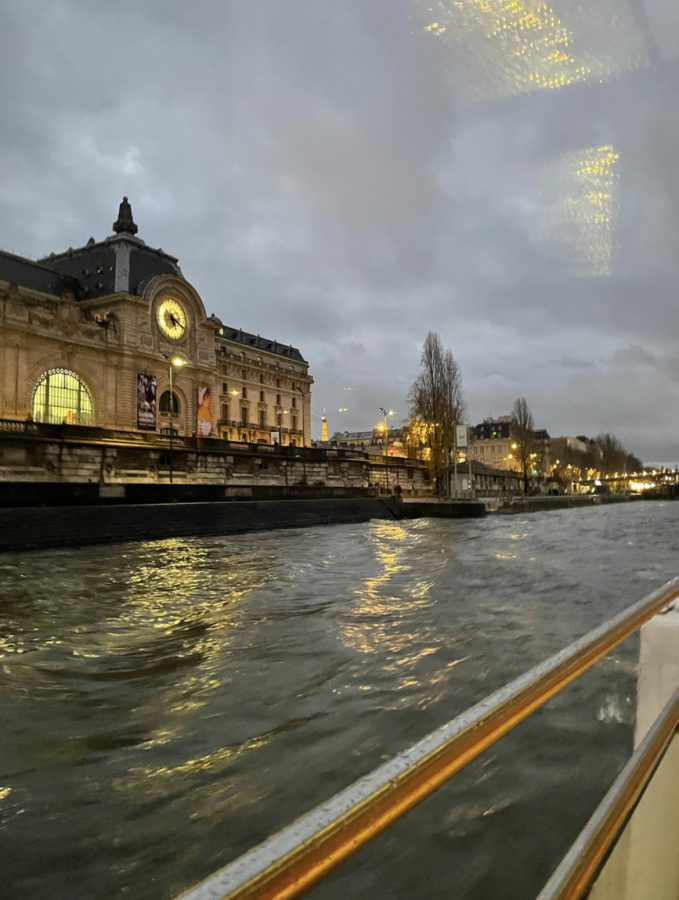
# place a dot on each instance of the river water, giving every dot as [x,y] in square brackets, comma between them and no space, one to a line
[166,705]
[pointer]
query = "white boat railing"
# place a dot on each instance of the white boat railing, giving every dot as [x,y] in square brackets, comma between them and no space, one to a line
[302,853]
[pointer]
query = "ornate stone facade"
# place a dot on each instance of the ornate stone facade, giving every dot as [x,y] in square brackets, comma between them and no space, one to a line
[99,335]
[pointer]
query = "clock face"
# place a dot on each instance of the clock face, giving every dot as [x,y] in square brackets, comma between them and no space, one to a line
[172,319]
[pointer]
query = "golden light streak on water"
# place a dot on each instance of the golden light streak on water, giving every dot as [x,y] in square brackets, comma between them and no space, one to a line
[382,620]
[5,792]
[209,760]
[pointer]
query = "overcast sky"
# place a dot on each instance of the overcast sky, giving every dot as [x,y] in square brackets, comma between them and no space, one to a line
[345,175]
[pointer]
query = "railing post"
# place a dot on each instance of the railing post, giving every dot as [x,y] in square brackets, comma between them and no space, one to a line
[652,857]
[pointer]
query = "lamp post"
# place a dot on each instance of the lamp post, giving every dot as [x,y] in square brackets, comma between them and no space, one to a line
[174,362]
[386,413]
[301,390]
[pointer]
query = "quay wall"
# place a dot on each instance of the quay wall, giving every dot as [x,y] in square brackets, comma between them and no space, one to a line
[49,454]
[29,528]
[569,501]
[32,528]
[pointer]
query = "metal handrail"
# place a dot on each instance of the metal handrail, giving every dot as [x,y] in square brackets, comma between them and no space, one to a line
[301,854]
[579,867]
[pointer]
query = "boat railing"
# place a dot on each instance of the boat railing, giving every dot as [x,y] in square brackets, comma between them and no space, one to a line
[578,869]
[303,852]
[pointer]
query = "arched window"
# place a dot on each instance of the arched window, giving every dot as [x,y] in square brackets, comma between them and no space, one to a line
[169,403]
[61,396]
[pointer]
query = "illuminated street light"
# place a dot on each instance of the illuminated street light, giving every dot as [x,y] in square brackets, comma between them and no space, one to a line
[385,427]
[176,362]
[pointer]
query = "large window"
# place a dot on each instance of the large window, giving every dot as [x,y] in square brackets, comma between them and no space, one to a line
[61,396]
[169,403]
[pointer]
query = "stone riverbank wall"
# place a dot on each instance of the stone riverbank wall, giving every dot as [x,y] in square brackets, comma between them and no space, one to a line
[115,460]
[32,528]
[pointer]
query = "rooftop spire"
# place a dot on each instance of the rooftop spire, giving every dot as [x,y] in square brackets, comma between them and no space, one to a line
[125,223]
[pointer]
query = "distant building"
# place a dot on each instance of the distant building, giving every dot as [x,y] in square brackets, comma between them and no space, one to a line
[493,445]
[486,481]
[372,441]
[87,337]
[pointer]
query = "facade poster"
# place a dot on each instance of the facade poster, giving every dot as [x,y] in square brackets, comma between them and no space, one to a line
[204,412]
[146,401]
[461,435]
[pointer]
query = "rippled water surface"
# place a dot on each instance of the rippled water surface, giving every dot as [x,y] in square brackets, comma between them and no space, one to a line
[166,705]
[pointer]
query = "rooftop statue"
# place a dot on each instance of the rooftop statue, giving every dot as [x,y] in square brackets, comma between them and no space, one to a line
[125,223]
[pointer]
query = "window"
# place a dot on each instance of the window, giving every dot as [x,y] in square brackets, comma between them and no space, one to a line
[279,419]
[262,418]
[244,415]
[294,402]
[62,396]
[261,396]
[243,374]
[278,399]
[278,382]
[169,403]
[245,393]
[293,423]
[225,388]
[225,412]
[261,379]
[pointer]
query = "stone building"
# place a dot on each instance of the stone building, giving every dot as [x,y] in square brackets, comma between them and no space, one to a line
[493,444]
[111,334]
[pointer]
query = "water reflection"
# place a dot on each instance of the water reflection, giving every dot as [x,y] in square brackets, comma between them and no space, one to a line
[163,715]
[383,619]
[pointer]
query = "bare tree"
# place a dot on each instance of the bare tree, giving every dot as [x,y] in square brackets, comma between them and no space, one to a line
[436,400]
[523,432]
[614,457]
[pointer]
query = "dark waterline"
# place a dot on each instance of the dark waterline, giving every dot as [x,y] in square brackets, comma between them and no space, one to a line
[167,705]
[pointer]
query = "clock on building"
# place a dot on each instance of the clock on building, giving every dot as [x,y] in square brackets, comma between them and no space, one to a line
[172,318]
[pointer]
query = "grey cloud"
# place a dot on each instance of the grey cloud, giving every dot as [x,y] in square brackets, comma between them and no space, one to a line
[326,178]
[569,362]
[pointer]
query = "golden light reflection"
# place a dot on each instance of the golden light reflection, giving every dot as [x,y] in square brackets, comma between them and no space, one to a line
[209,761]
[5,792]
[380,621]
[581,197]
[519,46]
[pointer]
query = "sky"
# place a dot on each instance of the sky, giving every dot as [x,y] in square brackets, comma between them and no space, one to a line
[346,176]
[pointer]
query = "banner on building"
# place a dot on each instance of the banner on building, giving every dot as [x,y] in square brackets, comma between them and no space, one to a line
[146,401]
[204,412]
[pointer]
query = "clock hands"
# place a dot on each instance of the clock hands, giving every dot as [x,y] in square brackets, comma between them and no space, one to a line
[172,319]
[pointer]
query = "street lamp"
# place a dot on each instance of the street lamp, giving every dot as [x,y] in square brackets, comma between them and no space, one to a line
[386,414]
[176,362]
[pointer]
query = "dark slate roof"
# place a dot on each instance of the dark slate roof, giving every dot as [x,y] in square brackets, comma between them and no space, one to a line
[492,429]
[90,271]
[480,468]
[94,265]
[35,276]
[256,342]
